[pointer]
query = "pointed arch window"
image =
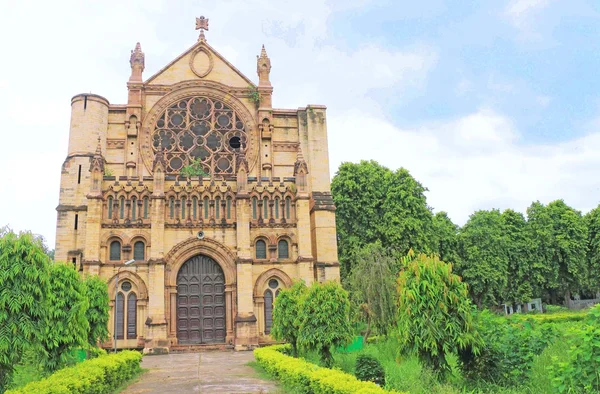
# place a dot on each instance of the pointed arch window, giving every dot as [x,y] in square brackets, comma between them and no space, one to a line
[218,208]
[120,305]
[195,207]
[288,209]
[122,207]
[183,200]
[266,208]
[261,249]
[171,208]
[270,294]
[276,207]
[110,207]
[206,207]
[283,249]
[254,204]
[145,207]
[131,316]
[115,251]
[133,208]
[228,207]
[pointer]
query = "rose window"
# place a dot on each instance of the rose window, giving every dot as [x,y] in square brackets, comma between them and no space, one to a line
[203,129]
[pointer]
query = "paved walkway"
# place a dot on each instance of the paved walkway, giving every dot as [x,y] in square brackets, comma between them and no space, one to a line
[207,372]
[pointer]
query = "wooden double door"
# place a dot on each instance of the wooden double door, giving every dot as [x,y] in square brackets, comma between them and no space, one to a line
[200,302]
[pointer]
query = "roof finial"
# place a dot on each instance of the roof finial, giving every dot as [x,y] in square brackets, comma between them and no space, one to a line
[202,24]
[99,147]
[136,60]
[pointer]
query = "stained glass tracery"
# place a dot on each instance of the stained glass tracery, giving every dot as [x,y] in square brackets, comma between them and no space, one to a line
[200,128]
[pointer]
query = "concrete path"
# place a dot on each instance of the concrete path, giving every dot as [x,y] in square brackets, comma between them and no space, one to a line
[207,372]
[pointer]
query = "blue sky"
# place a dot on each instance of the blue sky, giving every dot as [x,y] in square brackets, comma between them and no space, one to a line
[488,104]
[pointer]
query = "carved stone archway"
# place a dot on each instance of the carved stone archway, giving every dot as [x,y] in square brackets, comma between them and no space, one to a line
[178,256]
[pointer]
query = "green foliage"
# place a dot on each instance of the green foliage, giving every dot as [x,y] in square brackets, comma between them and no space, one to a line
[508,350]
[194,168]
[254,94]
[445,238]
[324,320]
[373,289]
[375,204]
[66,327]
[369,369]
[484,257]
[99,375]
[96,292]
[286,312]
[592,222]
[108,172]
[23,293]
[581,373]
[520,270]
[300,375]
[434,313]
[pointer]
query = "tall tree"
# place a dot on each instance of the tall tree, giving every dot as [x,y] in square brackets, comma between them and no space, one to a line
[372,287]
[570,252]
[521,280]
[484,257]
[541,234]
[592,221]
[96,291]
[376,204]
[23,293]
[66,325]
[286,312]
[445,238]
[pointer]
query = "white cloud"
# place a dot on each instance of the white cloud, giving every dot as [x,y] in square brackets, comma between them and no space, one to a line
[522,15]
[474,162]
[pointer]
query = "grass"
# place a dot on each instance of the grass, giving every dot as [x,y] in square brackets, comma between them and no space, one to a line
[130,381]
[260,371]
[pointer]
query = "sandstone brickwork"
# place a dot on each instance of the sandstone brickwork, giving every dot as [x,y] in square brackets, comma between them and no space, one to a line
[261,214]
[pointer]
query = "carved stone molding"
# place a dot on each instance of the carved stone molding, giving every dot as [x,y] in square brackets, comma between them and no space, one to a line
[284,146]
[195,62]
[115,144]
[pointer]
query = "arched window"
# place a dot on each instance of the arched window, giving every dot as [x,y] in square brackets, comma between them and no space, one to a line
[266,208]
[120,305]
[145,207]
[115,251]
[131,316]
[288,209]
[110,207]
[171,208]
[270,294]
[183,200]
[283,249]
[276,207]
[139,251]
[217,208]
[133,208]
[205,207]
[254,203]
[228,207]
[122,207]
[261,249]
[195,207]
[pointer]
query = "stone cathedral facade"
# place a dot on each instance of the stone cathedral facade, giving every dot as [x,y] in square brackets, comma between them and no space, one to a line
[211,251]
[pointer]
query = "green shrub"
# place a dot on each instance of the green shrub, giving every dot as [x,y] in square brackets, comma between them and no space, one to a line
[96,291]
[97,376]
[369,369]
[286,311]
[509,349]
[581,373]
[304,377]
[434,313]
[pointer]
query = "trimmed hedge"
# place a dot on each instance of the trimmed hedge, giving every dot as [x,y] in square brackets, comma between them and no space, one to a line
[306,377]
[96,376]
[560,317]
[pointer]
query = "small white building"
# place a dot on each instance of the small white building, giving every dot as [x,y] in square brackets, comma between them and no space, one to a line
[533,305]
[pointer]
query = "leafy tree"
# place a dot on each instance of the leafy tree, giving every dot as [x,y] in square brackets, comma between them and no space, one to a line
[445,238]
[484,256]
[66,327]
[376,204]
[521,277]
[541,234]
[434,312]
[195,168]
[23,292]
[592,221]
[96,292]
[325,320]
[286,312]
[372,287]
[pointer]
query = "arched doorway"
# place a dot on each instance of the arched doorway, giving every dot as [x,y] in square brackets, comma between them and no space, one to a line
[200,302]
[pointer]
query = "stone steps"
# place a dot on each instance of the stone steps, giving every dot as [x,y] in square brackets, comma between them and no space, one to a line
[199,348]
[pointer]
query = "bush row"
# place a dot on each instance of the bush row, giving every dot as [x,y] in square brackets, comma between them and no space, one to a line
[306,377]
[560,317]
[97,376]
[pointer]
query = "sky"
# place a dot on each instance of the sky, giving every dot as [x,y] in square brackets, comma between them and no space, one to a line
[487,104]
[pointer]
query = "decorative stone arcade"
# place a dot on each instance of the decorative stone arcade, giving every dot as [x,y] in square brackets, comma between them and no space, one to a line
[211,251]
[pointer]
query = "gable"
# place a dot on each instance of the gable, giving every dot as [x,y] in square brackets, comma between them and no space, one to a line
[200,62]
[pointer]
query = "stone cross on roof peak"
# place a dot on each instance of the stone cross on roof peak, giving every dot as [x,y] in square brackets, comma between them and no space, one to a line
[202,24]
